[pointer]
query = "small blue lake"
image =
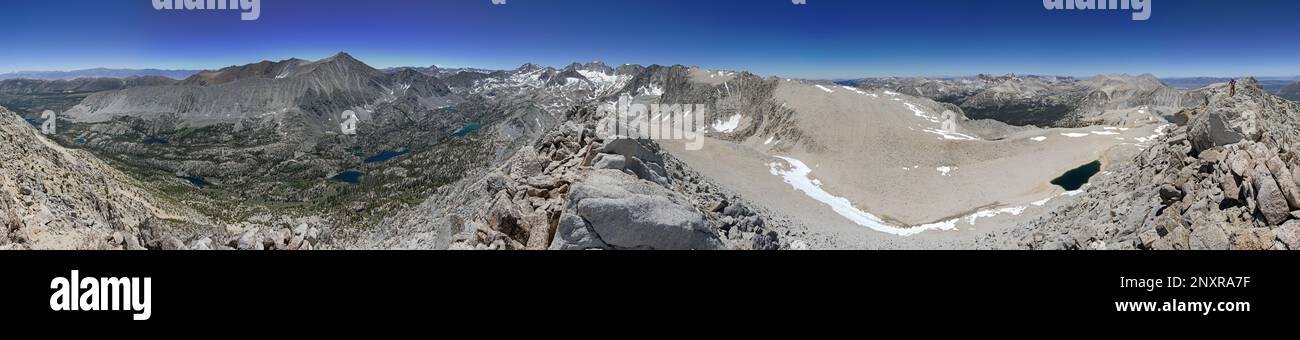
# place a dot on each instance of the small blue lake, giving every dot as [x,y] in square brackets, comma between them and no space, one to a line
[155,141]
[1075,179]
[466,130]
[387,155]
[350,176]
[33,121]
[196,181]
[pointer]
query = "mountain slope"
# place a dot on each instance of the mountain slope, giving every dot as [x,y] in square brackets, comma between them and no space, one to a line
[1291,92]
[56,198]
[323,88]
[264,69]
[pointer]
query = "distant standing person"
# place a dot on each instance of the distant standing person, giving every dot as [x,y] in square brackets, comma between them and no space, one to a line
[1232,88]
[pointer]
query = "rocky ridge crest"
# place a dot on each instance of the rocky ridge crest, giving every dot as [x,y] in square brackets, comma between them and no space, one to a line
[1224,178]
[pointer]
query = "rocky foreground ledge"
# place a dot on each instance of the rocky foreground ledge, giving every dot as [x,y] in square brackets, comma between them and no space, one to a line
[1225,178]
[578,188]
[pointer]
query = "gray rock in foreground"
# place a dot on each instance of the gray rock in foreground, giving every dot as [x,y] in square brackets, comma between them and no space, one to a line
[1210,130]
[613,210]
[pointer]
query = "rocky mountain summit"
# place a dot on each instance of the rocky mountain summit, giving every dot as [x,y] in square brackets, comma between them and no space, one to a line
[579,187]
[1225,177]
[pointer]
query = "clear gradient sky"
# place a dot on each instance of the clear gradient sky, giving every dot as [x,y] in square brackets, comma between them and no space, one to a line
[823,39]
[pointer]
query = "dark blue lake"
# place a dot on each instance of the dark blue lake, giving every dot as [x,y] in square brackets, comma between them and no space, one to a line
[33,121]
[155,141]
[387,155]
[466,130]
[1075,179]
[350,176]
[196,181]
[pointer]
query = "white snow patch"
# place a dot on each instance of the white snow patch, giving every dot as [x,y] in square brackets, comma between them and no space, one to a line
[1014,211]
[1044,201]
[769,140]
[823,88]
[1039,138]
[653,90]
[950,135]
[946,170]
[601,78]
[797,176]
[1074,134]
[727,126]
[1160,131]
[921,113]
[1105,133]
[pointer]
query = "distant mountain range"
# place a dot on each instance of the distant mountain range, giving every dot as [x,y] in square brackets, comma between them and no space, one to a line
[438,71]
[1271,84]
[98,73]
[79,85]
[1038,100]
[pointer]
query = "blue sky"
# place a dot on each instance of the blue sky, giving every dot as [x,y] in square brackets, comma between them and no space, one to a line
[823,39]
